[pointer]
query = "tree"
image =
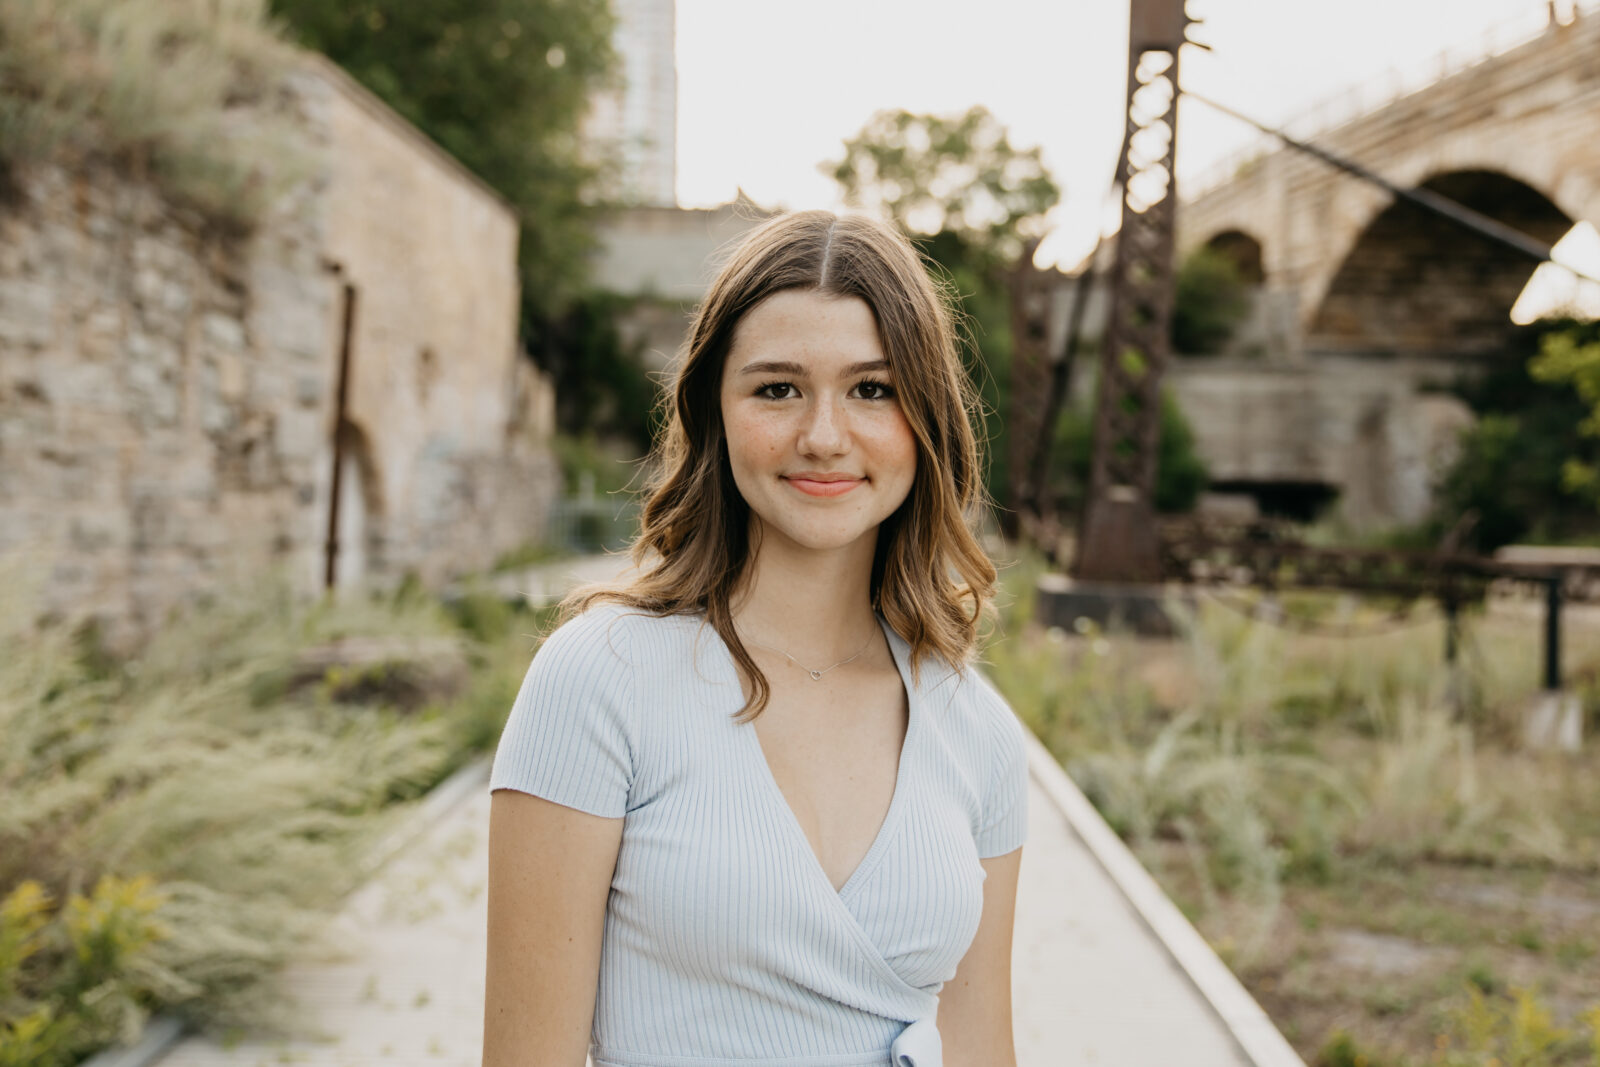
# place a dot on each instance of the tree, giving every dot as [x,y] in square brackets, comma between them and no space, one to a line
[1525,469]
[960,175]
[969,200]
[1212,298]
[1571,355]
[502,85]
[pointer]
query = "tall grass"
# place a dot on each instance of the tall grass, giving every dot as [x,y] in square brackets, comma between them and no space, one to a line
[191,91]
[1264,755]
[195,813]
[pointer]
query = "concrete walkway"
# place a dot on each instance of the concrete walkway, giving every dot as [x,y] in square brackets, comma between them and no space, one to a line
[1105,970]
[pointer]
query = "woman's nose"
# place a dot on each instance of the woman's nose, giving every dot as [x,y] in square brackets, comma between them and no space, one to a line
[824,430]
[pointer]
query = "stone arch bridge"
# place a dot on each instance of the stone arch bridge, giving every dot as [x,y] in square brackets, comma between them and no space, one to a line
[1365,304]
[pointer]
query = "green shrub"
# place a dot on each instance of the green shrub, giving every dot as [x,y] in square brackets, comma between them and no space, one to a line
[1212,298]
[1515,1030]
[602,385]
[1343,1050]
[1180,473]
[1521,469]
[79,977]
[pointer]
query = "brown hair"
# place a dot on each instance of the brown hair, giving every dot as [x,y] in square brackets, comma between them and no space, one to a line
[931,579]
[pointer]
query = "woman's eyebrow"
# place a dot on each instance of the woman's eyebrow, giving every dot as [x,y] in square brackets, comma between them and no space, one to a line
[795,369]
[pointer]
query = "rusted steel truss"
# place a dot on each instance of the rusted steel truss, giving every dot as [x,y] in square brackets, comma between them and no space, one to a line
[1031,418]
[1118,541]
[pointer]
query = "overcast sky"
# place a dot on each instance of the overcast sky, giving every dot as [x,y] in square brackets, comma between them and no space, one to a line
[768,90]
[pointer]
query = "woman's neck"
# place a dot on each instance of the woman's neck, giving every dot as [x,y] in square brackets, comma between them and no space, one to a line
[815,606]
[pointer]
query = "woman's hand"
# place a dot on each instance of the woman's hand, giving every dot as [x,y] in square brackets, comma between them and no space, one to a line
[975,1005]
[550,871]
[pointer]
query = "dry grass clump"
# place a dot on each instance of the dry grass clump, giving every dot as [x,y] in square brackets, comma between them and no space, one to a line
[190,818]
[1267,753]
[191,91]
[1300,794]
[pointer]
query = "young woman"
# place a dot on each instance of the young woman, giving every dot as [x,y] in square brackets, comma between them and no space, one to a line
[751,807]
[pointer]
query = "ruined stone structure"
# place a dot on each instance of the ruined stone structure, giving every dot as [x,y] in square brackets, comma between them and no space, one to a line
[664,258]
[1364,300]
[170,396]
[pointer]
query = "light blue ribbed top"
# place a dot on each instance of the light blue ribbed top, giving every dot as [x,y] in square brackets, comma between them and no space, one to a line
[725,943]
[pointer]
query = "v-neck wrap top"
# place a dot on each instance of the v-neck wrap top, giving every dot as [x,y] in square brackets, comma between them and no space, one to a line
[725,943]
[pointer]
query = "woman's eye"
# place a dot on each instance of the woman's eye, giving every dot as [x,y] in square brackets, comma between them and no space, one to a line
[776,391]
[871,390]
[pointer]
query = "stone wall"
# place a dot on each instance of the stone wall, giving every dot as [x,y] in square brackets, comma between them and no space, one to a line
[1373,439]
[162,395]
[168,393]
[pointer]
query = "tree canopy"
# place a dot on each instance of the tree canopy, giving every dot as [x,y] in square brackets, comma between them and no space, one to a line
[1525,470]
[502,85]
[1570,354]
[957,174]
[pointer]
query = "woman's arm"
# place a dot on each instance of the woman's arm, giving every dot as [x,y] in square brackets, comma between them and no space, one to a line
[550,871]
[975,1005]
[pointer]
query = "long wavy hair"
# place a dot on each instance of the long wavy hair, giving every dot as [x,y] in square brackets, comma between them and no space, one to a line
[931,580]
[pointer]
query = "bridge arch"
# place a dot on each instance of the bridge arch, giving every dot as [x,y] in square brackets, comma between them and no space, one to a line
[1414,283]
[1243,250]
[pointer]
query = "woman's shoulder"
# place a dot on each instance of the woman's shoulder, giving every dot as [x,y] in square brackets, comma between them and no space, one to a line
[611,633]
[969,692]
[970,705]
[610,615]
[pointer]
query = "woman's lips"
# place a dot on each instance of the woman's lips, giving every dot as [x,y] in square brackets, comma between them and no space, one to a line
[813,487]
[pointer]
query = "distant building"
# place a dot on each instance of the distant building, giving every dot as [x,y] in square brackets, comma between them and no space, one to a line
[664,258]
[638,119]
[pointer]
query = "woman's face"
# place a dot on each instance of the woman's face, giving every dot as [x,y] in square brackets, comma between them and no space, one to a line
[819,447]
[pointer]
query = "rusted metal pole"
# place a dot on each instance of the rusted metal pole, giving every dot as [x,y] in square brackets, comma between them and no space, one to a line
[330,576]
[1037,486]
[1552,632]
[1028,422]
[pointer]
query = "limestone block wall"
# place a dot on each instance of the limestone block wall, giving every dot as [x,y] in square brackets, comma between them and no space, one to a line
[169,395]
[162,393]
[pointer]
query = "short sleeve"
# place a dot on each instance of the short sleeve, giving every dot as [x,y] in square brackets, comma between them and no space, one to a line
[569,736]
[1004,824]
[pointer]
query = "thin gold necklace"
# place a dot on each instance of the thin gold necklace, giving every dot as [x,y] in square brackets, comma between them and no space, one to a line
[816,675]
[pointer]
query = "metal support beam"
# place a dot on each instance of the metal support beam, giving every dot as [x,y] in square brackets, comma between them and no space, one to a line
[1552,632]
[1030,422]
[1119,541]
